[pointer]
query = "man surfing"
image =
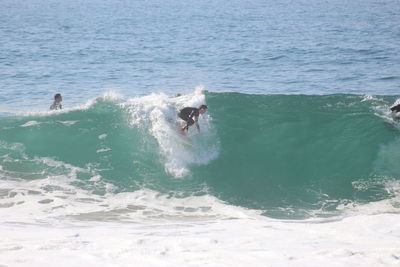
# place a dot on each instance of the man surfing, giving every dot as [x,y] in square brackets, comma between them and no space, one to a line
[190,116]
[395,108]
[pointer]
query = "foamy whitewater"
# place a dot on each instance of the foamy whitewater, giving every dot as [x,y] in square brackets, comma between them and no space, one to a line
[296,162]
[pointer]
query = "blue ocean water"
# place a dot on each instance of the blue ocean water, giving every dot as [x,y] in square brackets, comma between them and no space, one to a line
[84,48]
[296,164]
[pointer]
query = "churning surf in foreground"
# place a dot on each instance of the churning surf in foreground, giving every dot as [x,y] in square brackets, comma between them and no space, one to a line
[270,180]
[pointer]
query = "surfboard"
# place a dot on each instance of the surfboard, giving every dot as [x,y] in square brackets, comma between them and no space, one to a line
[178,125]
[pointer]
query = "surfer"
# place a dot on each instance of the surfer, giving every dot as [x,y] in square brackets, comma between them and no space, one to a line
[57,102]
[395,108]
[190,116]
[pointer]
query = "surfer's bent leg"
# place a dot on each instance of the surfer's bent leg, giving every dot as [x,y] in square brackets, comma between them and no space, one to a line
[189,121]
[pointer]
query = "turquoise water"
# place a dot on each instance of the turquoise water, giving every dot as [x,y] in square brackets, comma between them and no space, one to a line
[288,155]
[298,91]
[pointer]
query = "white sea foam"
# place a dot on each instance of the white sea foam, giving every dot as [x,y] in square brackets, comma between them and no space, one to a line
[102,136]
[35,123]
[67,123]
[157,113]
[50,190]
[30,123]
[102,150]
[52,218]
[368,98]
[363,240]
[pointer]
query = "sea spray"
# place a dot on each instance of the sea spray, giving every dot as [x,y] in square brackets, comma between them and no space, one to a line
[157,113]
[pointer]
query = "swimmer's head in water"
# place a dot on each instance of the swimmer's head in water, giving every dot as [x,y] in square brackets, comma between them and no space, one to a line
[58,97]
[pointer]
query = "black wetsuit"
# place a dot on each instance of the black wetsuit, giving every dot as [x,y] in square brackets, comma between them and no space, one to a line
[189,115]
[395,108]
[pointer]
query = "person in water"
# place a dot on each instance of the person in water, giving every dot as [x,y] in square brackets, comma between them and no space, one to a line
[395,108]
[191,116]
[57,102]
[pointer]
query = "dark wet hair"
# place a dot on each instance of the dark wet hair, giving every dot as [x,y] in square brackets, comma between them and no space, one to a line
[203,107]
[57,96]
